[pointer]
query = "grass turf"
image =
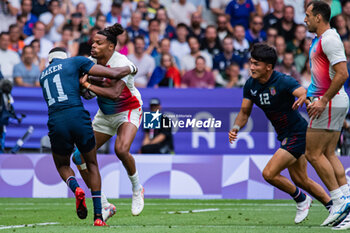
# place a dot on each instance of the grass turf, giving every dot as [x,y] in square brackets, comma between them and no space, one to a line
[161,215]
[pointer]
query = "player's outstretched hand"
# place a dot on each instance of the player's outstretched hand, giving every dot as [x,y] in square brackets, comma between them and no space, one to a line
[83,79]
[316,108]
[232,135]
[299,102]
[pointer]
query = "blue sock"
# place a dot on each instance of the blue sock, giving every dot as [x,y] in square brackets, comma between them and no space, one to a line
[329,205]
[96,198]
[298,195]
[72,183]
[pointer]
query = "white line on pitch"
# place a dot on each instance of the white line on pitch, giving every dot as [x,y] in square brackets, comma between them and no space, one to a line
[219,226]
[192,211]
[28,225]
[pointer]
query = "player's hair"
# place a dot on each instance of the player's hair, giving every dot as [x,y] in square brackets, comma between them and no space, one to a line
[322,8]
[264,53]
[112,32]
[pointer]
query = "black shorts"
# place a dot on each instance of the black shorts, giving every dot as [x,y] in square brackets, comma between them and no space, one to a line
[68,127]
[295,144]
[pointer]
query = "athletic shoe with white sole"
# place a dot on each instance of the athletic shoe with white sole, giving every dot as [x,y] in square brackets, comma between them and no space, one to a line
[303,209]
[338,213]
[345,224]
[137,203]
[108,212]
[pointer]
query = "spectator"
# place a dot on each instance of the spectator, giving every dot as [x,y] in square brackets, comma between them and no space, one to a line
[305,78]
[128,7]
[255,33]
[67,41]
[8,58]
[165,75]
[8,11]
[239,12]
[100,21]
[280,48]
[153,37]
[218,7]
[166,30]
[16,44]
[85,47]
[196,28]
[37,60]
[287,67]
[143,61]
[80,32]
[158,141]
[180,12]
[240,43]
[299,9]
[295,44]
[21,21]
[164,48]
[26,74]
[115,15]
[188,62]
[338,22]
[232,76]
[52,20]
[346,12]
[26,8]
[81,8]
[142,8]
[271,36]
[199,77]
[134,30]
[199,4]
[224,29]
[124,45]
[301,58]
[211,42]
[179,46]
[286,26]
[153,7]
[39,7]
[39,33]
[275,16]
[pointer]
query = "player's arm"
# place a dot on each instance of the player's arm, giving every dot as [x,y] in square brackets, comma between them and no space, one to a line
[112,73]
[300,93]
[241,119]
[113,92]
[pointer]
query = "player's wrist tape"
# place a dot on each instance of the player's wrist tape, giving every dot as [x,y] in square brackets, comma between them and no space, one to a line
[236,127]
[82,167]
[132,68]
[88,86]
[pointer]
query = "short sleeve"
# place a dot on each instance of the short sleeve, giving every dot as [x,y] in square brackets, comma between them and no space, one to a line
[333,47]
[290,84]
[246,90]
[17,71]
[84,64]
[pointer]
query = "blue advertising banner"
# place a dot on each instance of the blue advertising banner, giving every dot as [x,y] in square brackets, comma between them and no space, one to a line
[200,120]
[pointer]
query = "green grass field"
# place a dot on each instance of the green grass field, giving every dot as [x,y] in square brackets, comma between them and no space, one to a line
[161,215]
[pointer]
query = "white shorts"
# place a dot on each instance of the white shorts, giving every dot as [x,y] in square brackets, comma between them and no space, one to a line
[109,124]
[333,116]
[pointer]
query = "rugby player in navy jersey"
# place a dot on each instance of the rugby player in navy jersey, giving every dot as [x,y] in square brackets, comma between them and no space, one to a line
[275,94]
[69,123]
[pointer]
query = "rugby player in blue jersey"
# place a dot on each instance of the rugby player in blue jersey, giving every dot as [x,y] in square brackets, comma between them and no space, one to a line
[69,123]
[275,94]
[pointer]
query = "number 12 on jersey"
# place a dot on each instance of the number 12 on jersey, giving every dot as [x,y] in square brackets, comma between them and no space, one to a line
[61,96]
[264,98]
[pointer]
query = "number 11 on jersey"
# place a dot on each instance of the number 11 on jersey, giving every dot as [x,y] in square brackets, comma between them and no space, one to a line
[61,96]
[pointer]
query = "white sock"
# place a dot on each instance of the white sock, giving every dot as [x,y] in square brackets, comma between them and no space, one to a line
[135,182]
[336,194]
[104,200]
[345,189]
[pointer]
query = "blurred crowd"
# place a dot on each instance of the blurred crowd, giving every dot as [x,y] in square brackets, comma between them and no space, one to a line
[174,43]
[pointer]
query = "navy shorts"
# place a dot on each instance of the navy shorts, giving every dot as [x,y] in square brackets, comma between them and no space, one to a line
[68,127]
[295,144]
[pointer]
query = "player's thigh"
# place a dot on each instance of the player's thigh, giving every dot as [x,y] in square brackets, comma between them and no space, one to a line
[101,138]
[279,161]
[61,160]
[316,142]
[125,136]
[62,142]
[82,131]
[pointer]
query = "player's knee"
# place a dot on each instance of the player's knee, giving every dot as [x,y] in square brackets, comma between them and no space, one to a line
[122,150]
[268,175]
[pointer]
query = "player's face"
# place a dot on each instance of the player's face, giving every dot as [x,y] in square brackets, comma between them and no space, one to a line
[310,19]
[258,69]
[99,46]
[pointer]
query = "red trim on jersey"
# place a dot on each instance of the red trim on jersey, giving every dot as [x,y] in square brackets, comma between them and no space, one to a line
[129,116]
[140,116]
[127,101]
[329,113]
